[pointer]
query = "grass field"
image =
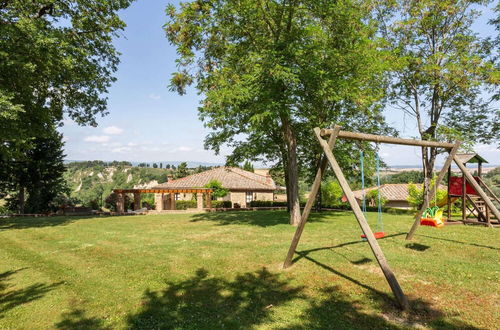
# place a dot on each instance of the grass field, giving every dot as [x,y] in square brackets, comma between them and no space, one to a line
[223,270]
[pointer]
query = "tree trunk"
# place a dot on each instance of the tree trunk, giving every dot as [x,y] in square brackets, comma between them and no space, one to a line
[287,181]
[293,173]
[428,160]
[21,200]
[319,198]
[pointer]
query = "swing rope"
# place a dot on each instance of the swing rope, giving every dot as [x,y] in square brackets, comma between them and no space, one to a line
[380,223]
[363,205]
[379,230]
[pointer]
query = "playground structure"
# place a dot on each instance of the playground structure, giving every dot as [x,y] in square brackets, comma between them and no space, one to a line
[459,188]
[328,157]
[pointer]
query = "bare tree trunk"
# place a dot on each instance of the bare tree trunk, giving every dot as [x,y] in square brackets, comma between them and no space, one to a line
[293,173]
[21,200]
[319,196]
[285,172]
[287,185]
[319,199]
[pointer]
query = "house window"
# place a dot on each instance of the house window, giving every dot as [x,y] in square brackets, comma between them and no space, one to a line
[249,197]
[177,196]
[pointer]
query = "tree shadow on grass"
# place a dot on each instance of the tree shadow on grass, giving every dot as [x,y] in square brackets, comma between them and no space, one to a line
[259,218]
[37,222]
[303,253]
[76,319]
[248,301]
[460,242]
[337,310]
[14,298]
[203,302]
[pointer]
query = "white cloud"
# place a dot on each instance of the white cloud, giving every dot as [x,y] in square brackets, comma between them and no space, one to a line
[96,138]
[154,96]
[184,148]
[486,148]
[112,144]
[112,130]
[120,150]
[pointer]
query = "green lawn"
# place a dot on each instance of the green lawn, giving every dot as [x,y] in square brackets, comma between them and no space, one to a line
[223,270]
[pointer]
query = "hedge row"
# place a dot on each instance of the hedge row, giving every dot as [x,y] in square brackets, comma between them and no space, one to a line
[184,205]
[222,204]
[192,204]
[347,207]
[267,204]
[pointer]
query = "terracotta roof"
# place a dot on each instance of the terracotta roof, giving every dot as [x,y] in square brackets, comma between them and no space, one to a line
[391,191]
[470,158]
[232,178]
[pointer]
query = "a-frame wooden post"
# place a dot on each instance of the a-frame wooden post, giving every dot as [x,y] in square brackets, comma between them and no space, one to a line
[433,190]
[478,188]
[377,251]
[310,201]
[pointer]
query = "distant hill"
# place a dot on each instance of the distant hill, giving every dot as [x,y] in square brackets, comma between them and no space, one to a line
[88,183]
[94,180]
[170,162]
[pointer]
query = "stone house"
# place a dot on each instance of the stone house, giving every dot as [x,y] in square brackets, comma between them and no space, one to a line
[243,186]
[395,194]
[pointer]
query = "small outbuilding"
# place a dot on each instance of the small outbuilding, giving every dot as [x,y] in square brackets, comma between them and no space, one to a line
[395,194]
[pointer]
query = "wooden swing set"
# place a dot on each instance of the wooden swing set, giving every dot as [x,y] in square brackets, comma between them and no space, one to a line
[328,157]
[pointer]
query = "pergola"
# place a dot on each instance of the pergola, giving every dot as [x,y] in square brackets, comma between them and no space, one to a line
[167,194]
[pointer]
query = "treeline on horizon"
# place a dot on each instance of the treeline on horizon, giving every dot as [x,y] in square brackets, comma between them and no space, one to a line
[115,163]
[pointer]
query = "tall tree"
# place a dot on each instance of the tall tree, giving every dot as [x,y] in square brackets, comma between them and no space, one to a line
[182,171]
[441,72]
[35,178]
[247,166]
[272,70]
[56,58]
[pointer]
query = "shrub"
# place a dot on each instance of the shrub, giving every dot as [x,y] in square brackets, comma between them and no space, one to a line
[267,204]
[219,191]
[110,201]
[184,205]
[372,198]
[331,192]
[94,204]
[222,204]
[416,198]
[261,203]
[4,210]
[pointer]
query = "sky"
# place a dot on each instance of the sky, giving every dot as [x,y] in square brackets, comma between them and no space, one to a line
[149,123]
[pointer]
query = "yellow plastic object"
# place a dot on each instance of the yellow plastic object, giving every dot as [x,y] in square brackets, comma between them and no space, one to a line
[432,217]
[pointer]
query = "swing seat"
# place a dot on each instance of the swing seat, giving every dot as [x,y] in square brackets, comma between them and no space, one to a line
[378,234]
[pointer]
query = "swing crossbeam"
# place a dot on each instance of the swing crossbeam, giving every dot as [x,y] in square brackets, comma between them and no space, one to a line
[386,139]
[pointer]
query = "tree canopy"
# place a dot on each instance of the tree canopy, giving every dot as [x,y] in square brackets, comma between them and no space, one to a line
[57,59]
[441,72]
[57,56]
[271,71]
